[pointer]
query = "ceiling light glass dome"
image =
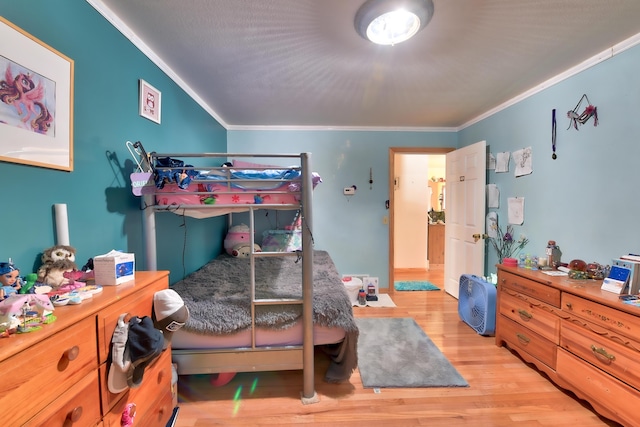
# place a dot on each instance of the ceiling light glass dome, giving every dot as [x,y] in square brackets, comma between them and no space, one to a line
[389,22]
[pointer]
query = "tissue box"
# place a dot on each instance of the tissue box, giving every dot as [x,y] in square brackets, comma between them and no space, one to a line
[114,268]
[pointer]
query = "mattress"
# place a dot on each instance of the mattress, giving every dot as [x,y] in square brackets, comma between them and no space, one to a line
[219,300]
[322,335]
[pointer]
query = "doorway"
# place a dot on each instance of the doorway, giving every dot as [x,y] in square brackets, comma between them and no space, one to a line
[396,200]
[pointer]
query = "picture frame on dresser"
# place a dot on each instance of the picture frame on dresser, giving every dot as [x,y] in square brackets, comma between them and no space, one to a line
[36,105]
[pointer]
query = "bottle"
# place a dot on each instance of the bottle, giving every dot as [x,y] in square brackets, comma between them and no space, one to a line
[362,297]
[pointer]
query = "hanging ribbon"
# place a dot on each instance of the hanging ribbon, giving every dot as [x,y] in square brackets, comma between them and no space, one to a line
[553,134]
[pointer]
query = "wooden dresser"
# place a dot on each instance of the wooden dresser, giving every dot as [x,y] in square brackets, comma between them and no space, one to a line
[57,375]
[585,339]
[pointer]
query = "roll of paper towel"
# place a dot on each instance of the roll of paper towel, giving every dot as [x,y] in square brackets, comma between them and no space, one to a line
[62,224]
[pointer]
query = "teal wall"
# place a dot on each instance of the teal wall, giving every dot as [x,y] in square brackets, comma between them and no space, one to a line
[349,227]
[103,214]
[586,199]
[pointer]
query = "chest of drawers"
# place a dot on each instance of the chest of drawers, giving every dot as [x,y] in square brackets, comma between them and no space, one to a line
[57,375]
[586,340]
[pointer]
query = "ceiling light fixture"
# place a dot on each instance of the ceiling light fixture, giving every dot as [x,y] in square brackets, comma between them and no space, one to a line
[389,22]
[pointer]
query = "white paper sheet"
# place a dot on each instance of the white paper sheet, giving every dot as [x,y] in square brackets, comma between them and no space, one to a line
[502,162]
[516,210]
[493,196]
[492,224]
[523,159]
[491,161]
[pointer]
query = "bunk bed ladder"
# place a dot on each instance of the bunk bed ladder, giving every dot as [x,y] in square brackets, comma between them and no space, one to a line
[308,394]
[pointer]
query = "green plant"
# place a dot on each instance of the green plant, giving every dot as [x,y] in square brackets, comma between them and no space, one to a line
[504,244]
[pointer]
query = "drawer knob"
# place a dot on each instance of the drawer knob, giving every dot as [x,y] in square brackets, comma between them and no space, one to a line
[523,338]
[72,353]
[524,315]
[75,414]
[569,306]
[602,354]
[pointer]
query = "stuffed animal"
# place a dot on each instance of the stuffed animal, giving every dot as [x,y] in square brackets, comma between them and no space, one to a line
[244,250]
[56,261]
[53,273]
[238,234]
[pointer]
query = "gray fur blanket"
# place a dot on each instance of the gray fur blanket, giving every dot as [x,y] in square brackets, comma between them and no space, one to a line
[219,300]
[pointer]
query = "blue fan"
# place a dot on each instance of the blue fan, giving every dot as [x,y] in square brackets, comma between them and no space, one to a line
[477,304]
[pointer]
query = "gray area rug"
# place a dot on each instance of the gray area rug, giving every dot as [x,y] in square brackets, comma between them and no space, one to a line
[396,353]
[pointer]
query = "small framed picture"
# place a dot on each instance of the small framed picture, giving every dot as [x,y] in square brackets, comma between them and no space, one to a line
[370,284]
[150,102]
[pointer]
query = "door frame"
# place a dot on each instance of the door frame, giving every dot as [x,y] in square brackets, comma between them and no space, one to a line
[392,152]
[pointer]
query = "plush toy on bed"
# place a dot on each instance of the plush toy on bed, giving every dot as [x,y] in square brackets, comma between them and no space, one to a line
[243,250]
[237,235]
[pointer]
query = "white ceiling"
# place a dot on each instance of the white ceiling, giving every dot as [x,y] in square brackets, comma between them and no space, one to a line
[300,63]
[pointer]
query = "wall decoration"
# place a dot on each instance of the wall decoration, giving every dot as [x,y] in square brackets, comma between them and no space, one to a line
[36,101]
[523,159]
[502,162]
[575,117]
[150,102]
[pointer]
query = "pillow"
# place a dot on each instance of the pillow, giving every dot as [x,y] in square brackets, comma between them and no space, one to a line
[282,240]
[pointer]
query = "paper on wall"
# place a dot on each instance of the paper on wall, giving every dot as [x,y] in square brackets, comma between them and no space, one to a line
[523,159]
[493,196]
[516,210]
[491,161]
[492,224]
[502,161]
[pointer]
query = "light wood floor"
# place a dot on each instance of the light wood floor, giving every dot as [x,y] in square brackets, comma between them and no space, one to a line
[503,391]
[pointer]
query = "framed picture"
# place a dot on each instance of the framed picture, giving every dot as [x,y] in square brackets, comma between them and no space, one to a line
[36,101]
[373,282]
[150,102]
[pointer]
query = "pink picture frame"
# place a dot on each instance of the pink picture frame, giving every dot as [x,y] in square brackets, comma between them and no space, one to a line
[150,102]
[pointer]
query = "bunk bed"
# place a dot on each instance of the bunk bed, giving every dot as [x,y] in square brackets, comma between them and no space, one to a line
[281,304]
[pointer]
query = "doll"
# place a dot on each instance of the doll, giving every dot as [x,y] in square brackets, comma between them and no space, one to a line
[9,279]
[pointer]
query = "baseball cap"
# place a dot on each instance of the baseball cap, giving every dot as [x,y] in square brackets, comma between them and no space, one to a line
[117,378]
[144,345]
[169,313]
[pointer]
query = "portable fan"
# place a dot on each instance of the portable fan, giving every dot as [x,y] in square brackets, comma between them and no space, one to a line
[477,304]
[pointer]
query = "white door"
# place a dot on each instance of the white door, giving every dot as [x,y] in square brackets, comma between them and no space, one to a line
[466,180]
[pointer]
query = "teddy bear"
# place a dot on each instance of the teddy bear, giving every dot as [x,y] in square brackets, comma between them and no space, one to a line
[244,250]
[56,261]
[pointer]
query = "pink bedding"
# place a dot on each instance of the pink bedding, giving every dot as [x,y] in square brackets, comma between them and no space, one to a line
[214,193]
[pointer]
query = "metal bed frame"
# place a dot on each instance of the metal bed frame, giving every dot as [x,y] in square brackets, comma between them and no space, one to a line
[247,359]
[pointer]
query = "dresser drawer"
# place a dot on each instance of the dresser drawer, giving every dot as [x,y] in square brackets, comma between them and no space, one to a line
[153,399]
[609,396]
[531,288]
[612,357]
[602,318]
[137,304]
[35,377]
[535,315]
[523,339]
[78,406]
